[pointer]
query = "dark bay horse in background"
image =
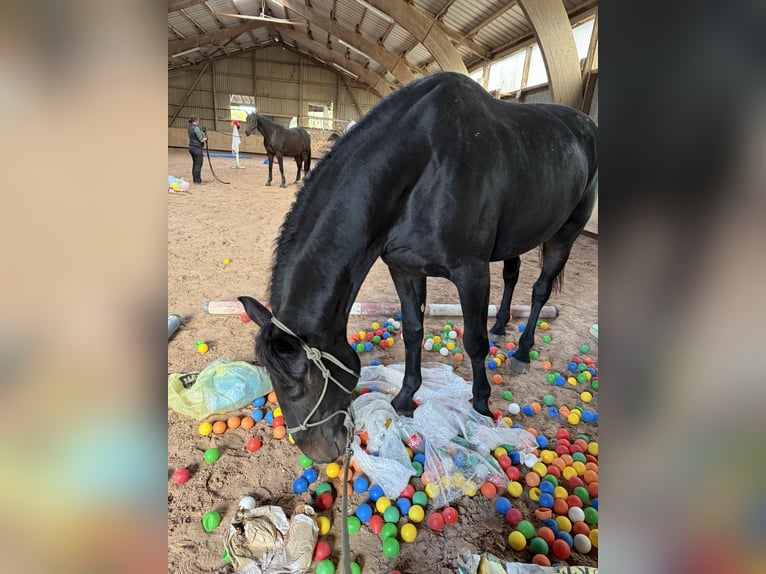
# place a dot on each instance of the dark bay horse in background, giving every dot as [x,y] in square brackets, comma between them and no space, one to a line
[438,180]
[280,141]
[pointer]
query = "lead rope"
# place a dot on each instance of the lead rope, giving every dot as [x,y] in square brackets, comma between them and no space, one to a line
[316,356]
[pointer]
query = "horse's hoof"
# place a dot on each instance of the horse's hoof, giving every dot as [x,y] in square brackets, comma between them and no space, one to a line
[482,409]
[268,184]
[283,185]
[496,337]
[403,408]
[517,367]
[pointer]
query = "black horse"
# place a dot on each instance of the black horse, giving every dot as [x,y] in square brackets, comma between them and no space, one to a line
[438,179]
[280,141]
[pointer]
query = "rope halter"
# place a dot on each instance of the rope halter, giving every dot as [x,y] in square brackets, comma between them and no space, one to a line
[316,356]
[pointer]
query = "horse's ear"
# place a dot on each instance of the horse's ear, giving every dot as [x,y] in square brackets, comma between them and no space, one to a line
[257,312]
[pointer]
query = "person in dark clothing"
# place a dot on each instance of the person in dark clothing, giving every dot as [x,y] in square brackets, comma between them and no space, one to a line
[196,141]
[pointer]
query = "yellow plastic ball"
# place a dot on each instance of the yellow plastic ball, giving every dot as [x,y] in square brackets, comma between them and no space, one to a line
[587,374]
[382,503]
[534,494]
[451,346]
[290,438]
[568,473]
[515,489]
[593,448]
[226,261]
[202,348]
[416,513]
[547,456]
[277,412]
[572,381]
[437,339]
[324,525]
[408,532]
[205,429]
[499,451]
[540,469]
[564,523]
[458,480]
[517,540]
[579,467]
[508,421]
[544,326]
[409,452]
[594,537]
[586,397]
[560,492]
[573,418]
[470,488]
[375,326]
[362,335]
[432,490]
[332,470]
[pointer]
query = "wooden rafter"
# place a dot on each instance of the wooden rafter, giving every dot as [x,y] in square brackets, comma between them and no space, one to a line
[491,18]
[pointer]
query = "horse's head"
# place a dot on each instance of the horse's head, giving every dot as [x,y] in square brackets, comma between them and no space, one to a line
[251,123]
[299,383]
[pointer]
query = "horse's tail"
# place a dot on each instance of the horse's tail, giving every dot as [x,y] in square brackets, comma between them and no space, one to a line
[558,281]
[307,155]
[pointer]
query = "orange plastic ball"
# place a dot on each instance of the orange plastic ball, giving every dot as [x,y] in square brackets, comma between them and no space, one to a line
[497,379]
[272,397]
[279,432]
[541,560]
[488,489]
[459,357]
[532,479]
[247,423]
[219,427]
[547,365]
[234,422]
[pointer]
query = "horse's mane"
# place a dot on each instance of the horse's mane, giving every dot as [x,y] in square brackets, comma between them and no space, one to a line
[295,219]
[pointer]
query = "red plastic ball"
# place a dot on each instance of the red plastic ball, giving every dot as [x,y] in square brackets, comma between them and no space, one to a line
[546,534]
[591,458]
[513,517]
[376,523]
[450,515]
[181,476]
[408,492]
[512,473]
[561,549]
[496,414]
[278,422]
[562,449]
[562,433]
[322,551]
[554,471]
[245,319]
[574,482]
[504,461]
[324,501]
[436,522]
[573,500]
[254,444]
[593,489]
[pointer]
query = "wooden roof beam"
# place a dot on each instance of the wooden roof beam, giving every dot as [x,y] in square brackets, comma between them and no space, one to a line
[211,38]
[491,18]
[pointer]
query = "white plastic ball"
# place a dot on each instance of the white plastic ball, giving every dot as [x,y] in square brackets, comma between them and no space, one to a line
[582,543]
[248,503]
[514,409]
[453,334]
[428,345]
[444,351]
[576,514]
[397,325]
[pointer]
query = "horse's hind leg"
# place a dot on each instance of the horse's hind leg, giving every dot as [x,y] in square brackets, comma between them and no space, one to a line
[298,163]
[555,254]
[281,170]
[510,277]
[271,164]
[412,294]
[473,289]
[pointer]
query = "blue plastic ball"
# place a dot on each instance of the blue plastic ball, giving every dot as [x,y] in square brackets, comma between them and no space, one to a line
[403,505]
[386,335]
[459,459]
[546,500]
[399,317]
[542,442]
[552,524]
[553,412]
[594,503]
[368,346]
[515,457]
[522,327]
[374,363]
[259,402]
[375,493]
[269,418]
[592,371]
[257,415]
[361,484]
[300,485]
[515,426]
[492,364]
[364,512]
[547,487]
[502,505]
[595,418]
[566,537]
[572,367]
[527,410]
[587,416]
[420,457]
[560,381]
[310,474]
[512,352]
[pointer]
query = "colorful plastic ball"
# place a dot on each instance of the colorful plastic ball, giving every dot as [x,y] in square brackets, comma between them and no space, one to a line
[450,515]
[576,514]
[257,415]
[181,476]
[332,470]
[211,455]
[527,410]
[436,522]
[522,327]
[538,546]
[322,550]
[325,567]
[594,537]
[553,412]
[354,524]
[269,418]
[364,512]
[420,498]
[310,474]
[585,349]
[253,444]
[560,381]
[561,549]
[382,504]
[526,528]
[305,461]
[202,349]
[408,532]
[534,355]
[594,503]
[219,427]
[403,504]
[591,516]
[377,523]
[517,540]
[416,513]
[391,514]
[323,487]
[388,530]
[582,543]
[432,490]
[542,441]
[566,537]
[502,505]
[324,525]
[546,339]
[205,429]
[375,492]
[359,347]
[361,484]
[546,500]
[211,520]
[390,547]
[300,485]
[324,501]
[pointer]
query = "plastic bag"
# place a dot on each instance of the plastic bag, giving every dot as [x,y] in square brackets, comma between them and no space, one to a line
[487,563]
[262,541]
[220,387]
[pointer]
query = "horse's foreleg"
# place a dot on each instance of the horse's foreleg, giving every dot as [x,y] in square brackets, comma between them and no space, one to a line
[412,294]
[473,290]
[271,164]
[281,170]
[510,277]
[298,163]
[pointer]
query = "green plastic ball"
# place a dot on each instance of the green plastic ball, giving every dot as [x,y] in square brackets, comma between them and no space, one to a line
[420,498]
[579,457]
[355,568]
[390,547]
[359,349]
[526,528]
[594,384]
[507,396]
[226,558]
[211,520]
[508,448]
[212,455]
[354,524]
[581,378]
[591,516]
[546,339]
[548,400]
[534,355]
[325,567]
[389,530]
[451,323]
[552,479]
[550,378]
[418,468]
[582,367]
[437,347]
[376,340]
[585,349]
[583,437]
[305,461]
[538,546]
[456,351]
[323,487]
[391,514]
[581,493]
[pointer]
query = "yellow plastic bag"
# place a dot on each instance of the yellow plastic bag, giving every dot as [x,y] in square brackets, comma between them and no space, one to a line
[220,387]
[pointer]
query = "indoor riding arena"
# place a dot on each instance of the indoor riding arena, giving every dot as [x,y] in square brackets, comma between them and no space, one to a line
[516,492]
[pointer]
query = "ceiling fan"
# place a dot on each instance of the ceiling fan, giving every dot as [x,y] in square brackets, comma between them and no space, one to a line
[263,17]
